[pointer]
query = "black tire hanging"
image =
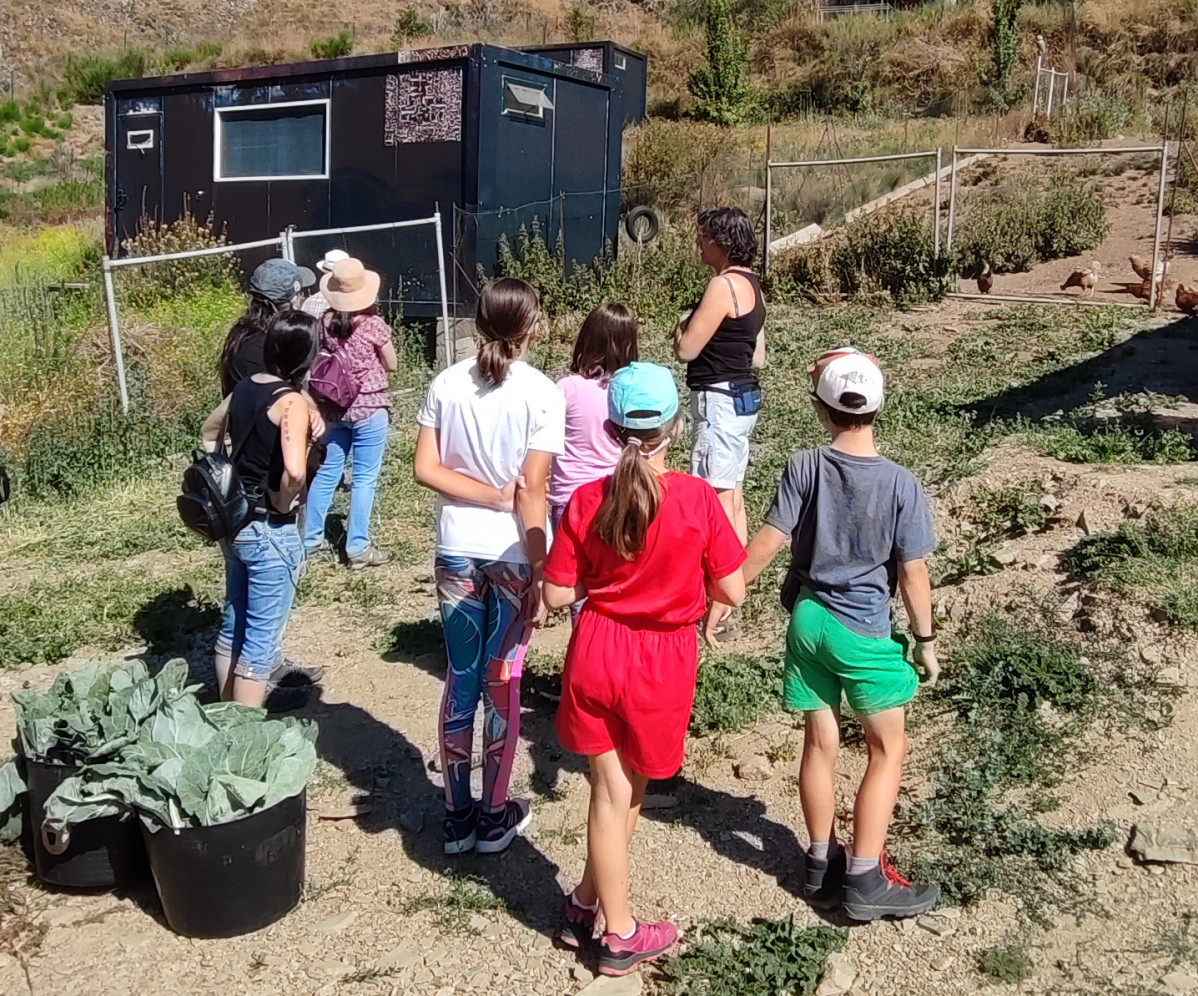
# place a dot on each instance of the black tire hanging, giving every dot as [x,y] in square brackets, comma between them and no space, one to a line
[642,224]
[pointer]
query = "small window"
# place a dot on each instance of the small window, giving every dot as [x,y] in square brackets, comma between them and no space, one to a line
[525,100]
[620,60]
[141,140]
[272,141]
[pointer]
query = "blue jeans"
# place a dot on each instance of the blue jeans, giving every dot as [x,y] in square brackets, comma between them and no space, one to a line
[261,571]
[367,439]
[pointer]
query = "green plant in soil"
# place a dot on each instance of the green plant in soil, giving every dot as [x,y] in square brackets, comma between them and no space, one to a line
[1022,698]
[1009,962]
[735,690]
[1180,942]
[464,896]
[720,86]
[973,559]
[334,47]
[761,958]
[1154,561]
[1007,511]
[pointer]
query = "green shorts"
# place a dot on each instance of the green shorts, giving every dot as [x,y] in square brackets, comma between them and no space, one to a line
[825,658]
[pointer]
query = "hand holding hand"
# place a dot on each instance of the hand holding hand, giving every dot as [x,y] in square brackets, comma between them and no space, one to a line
[506,502]
[926,661]
[534,602]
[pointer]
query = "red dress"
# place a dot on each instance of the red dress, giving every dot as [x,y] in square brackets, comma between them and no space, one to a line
[629,681]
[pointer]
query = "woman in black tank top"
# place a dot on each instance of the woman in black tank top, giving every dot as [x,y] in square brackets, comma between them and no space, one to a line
[723,345]
[270,428]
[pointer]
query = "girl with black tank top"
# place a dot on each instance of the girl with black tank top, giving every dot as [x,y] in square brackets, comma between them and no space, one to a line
[723,345]
[270,428]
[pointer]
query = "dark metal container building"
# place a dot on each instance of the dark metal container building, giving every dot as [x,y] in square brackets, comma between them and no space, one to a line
[622,64]
[492,136]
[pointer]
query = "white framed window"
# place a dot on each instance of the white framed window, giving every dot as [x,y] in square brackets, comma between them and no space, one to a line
[141,140]
[525,100]
[284,141]
[621,61]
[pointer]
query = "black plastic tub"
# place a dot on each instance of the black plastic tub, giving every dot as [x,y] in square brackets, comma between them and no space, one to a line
[234,878]
[98,854]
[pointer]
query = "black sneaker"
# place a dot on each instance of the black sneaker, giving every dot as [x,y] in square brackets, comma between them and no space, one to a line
[883,892]
[823,880]
[460,830]
[497,831]
[292,674]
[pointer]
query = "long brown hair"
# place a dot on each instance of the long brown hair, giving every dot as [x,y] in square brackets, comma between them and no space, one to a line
[606,341]
[508,309]
[257,316]
[632,497]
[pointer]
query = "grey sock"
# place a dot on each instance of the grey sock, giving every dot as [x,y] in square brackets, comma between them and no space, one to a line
[859,866]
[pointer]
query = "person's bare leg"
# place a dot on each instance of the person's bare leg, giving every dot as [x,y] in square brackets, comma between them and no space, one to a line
[585,891]
[886,738]
[608,820]
[733,502]
[224,664]
[247,692]
[817,772]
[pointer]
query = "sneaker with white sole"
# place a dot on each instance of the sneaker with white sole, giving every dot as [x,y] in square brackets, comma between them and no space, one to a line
[459,830]
[496,831]
[372,556]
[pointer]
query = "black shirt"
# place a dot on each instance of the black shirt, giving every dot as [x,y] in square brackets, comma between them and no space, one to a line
[246,362]
[728,355]
[257,442]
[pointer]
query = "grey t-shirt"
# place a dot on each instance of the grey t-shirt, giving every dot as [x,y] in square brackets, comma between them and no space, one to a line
[852,520]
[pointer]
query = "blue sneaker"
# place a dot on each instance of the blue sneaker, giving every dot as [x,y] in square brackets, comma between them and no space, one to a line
[459,830]
[497,831]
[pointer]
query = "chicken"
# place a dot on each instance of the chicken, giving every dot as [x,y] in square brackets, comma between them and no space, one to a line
[1140,290]
[985,279]
[1086,279]
[1142,266]
[1186,299]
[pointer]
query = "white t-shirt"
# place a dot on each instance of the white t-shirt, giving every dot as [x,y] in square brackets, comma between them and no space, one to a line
[486,432]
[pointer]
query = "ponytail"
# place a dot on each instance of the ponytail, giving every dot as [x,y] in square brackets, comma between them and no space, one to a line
[508,309]
[633,496]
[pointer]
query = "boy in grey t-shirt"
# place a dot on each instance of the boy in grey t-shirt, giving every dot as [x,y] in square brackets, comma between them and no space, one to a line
[859,529]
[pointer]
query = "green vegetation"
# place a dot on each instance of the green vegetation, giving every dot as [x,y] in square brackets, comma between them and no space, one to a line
[1154,561]
[1021,221]
[409,24]
[719,86]
[581,21]
[1022,695]
[463,897]
[762,958]
[337,46]
[1009,510]
[1010,962]
[735,690]
[1004,44]
[87,77]
[1123,430]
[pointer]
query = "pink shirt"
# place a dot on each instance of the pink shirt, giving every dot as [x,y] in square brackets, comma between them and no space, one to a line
[590,453]
[370,333]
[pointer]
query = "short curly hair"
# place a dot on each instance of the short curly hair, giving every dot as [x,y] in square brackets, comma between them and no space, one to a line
[731,230]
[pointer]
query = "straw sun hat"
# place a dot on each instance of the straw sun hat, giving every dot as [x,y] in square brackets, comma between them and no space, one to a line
[349,286]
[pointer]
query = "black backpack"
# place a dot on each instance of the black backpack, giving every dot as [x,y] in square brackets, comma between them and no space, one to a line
[213,503]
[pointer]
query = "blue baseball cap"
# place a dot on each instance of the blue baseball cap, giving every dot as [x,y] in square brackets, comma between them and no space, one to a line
[642,396]
[279,280]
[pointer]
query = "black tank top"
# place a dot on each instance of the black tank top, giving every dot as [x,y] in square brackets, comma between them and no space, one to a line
[728,354]
[257,444]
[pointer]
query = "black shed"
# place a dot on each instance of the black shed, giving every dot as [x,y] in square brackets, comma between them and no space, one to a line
[494,137]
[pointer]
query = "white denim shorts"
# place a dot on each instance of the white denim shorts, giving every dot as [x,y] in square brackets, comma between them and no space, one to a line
[720,440]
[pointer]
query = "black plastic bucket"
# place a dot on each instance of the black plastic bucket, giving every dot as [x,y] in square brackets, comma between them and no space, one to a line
[97,854]
[234,878]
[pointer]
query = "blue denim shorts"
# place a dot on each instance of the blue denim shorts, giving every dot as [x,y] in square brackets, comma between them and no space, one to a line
[720,447]
[261,572]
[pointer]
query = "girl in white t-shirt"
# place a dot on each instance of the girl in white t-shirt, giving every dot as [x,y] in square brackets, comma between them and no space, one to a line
[488,423]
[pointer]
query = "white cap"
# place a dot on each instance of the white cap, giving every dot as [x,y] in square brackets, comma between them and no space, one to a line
[851,372]
[331,259]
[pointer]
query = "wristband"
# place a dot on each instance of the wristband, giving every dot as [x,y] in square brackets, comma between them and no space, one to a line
[923,639]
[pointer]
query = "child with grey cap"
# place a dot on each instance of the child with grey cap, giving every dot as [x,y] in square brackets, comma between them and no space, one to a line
[859,529]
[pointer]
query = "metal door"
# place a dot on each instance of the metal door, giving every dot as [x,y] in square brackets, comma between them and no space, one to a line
[137,158]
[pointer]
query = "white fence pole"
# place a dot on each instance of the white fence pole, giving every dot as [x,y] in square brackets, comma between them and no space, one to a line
[936,216]
[769,214]
[450,333]
[1052,82]
[1036,95]
[114,329]
[952,202]
[1153,293]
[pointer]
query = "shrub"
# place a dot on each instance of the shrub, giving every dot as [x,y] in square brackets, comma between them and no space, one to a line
[1012,510]
[1073,219]
[581,22]
[336,47]
[1092,116]
[735,691]
[87,77]
[665,162]
[720,87]
[409,24]
[145,285]
[1008,963]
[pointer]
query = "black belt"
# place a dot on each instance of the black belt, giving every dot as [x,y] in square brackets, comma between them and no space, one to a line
[271,518]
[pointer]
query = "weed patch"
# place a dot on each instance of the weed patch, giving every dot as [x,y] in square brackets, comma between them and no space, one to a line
[1009,963]
[1007,511]
[452,908]
[1154,562]
[1180,942]
[735,690]
[87,76]
[762,958]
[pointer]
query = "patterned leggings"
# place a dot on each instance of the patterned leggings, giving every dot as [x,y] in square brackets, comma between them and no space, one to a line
[486,637]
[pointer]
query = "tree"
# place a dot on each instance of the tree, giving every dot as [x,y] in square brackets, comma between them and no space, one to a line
[720,86]
[1004,42]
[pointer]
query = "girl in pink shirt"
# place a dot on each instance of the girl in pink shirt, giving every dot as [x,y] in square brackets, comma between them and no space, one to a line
[606,342]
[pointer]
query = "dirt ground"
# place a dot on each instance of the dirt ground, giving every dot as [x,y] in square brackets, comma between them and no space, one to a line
[715,846]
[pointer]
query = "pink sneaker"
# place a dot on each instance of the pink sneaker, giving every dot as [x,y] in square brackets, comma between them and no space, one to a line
[619,956]
[580,924]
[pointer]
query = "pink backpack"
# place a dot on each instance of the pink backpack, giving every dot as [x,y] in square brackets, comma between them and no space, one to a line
[330,380]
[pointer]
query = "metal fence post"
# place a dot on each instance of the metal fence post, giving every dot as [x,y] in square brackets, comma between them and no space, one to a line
[1052,82]
[769,200]
[114,328]
[952,203]
[936,215]
[450,333]
[1036,94]
[1153,295]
